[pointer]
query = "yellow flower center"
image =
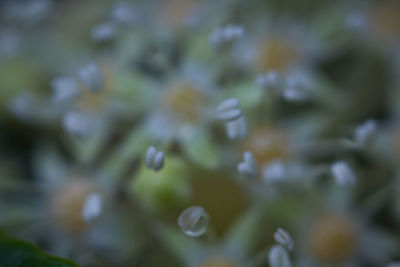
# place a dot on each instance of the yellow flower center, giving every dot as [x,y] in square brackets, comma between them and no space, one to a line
[333,239]
[184,100]
[276,54]
[67,204]
[267,144]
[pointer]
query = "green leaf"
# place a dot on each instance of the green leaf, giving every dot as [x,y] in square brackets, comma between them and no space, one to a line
[18,253]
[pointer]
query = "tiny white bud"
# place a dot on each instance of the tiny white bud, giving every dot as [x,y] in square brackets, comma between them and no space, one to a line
[279,257]
[282,237]
[343,174]
[92,207]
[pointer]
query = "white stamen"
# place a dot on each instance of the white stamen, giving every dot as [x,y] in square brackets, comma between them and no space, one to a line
[248,166]
[228,110]
[92,207]
[237,128]
[279,257]
[343,174]
[154,159]
[282,237]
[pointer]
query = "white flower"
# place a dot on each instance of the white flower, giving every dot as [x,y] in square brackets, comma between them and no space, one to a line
[279,257]
[343,174]
[248,166]
[92,207]
[154,159]
[282,237]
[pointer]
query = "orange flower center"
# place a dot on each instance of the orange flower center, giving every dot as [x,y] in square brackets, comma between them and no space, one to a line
[333,239]
[67,204]
[267,144]
[276,54]
[184,100]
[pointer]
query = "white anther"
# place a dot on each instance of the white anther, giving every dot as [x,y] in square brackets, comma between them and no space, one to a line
[228,110]
[343,174]
[248,166]
[282,237]
[92,77]
[154,159]
[92,207]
